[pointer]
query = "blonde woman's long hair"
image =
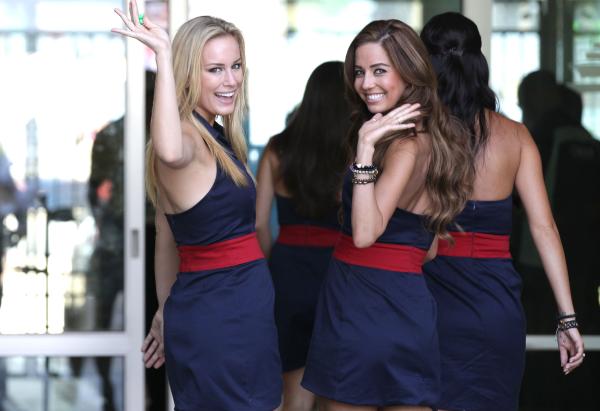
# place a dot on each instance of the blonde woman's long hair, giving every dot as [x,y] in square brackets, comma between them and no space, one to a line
[450,170]
[188,45]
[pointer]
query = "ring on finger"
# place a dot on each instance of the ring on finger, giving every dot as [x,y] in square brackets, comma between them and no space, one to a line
[141,18]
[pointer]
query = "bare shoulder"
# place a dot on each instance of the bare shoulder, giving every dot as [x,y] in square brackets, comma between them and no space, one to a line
[190,133]
[402,153]
[270,154]
[405,146]
[506,132]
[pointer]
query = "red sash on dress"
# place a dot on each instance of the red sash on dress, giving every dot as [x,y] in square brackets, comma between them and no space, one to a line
[393,257]
[307,235]
[475,245]
[223,254]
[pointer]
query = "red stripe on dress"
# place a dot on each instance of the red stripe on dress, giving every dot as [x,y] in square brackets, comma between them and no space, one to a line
[223,254]
[392,257]
[475,245]
[307,235]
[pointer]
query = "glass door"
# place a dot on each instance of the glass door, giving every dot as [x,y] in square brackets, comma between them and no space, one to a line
[71,191]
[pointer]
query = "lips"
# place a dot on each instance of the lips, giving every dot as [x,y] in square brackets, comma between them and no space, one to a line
[374,97]
[228,94]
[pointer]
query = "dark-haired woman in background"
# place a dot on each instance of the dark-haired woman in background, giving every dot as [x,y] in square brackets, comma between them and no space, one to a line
[302,168]
[481,322]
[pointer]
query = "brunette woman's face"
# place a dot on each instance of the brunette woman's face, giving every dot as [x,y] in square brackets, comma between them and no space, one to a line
[376,80]
[222,76]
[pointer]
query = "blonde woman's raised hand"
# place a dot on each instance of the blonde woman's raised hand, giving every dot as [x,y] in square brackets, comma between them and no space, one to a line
[139,27]
[381,125]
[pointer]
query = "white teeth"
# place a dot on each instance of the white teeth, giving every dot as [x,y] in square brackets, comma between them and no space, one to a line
[225,94]
[375,97]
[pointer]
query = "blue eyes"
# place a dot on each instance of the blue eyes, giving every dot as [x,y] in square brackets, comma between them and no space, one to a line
[236,66]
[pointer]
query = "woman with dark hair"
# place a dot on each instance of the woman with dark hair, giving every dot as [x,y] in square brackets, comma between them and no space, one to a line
[481,323]
[302,168]
[375,344]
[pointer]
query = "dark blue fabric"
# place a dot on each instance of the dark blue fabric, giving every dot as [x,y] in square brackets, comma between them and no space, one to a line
[287,215]
[489,217]
[226,212]
[375,339]
[220,335]
[403,228]
[298,273]
[481,321]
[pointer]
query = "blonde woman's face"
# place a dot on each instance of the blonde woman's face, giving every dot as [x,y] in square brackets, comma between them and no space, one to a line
[222,76]
[376,80]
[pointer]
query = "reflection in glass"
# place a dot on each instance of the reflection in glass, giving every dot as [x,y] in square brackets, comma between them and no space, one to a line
[586,61]
[61,383]
[61,168]
[515,50]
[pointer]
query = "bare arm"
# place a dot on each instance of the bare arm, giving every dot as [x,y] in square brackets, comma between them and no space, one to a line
[264,199]
[166,259]
[166,264]
[172,147]
[532,191]
[374,204]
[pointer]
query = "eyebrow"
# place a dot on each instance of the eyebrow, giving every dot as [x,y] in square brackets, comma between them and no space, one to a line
[239,60]
[374,65]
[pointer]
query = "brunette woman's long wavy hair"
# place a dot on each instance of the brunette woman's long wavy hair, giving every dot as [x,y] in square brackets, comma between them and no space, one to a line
[188,45]
[450,170]
[454,44]
[312,149]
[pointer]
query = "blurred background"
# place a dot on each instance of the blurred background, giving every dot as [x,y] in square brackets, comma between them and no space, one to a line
[76,233]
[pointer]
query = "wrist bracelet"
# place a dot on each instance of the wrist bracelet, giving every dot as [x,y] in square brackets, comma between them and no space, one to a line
[564,326]
[356,180]
[359,166]
[561,317]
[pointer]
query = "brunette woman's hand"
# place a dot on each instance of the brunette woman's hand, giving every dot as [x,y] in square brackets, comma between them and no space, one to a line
[145,31]
[153,346]
[570,347]
[380,125]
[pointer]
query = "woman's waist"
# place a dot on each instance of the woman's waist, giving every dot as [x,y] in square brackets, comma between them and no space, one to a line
[386,256]
[308,235]
[475,245]
[220,254]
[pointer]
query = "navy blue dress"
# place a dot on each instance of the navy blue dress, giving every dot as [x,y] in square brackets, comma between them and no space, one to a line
[375,340]
[481,321]
[298,263]
[219,329]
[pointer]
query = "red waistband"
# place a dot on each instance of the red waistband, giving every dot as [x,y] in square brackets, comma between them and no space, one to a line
[223,254]
[476,245]
[393,257]
[308,235]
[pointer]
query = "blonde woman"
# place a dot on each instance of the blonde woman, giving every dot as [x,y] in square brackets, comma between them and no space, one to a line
[220,340]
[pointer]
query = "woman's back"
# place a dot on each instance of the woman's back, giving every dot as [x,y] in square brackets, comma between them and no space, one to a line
[478,292]
[497,163]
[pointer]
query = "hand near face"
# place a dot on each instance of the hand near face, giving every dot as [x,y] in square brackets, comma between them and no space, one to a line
[147,32]
[381,125]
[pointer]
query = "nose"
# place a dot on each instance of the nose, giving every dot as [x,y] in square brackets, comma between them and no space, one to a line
[230,78]
[367,81]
